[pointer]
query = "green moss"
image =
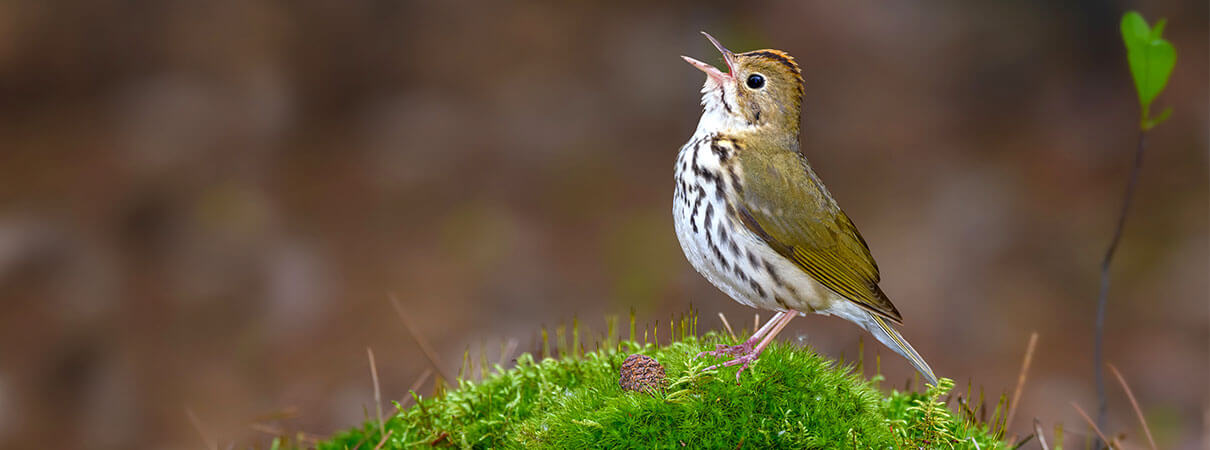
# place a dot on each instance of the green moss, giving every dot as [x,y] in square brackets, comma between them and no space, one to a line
[790,398]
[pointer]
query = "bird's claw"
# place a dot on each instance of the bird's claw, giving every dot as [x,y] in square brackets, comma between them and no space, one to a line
[742,354]
[741,359]
[727,350]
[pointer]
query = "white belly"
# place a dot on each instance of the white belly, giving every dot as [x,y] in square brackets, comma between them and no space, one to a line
[726,253]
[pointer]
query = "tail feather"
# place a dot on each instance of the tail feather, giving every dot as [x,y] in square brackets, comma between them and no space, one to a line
[892,339]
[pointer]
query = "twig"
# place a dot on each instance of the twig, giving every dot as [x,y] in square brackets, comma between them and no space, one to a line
[424,344]
[1134,404]
[1094,426]
[197,425]
[267,429]
[1029,356]
[421,379]
[1039,434]
[377,390]
[415,385]
[280,432]
[1103,293]
[728,327]
[281,414]
[1014,443]
[384,440]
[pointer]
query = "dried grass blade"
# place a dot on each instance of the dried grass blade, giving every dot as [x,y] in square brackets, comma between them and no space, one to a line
[1134,404]
[727,325]
[420,340]
[1092,424]
[1029,357]
[377,390]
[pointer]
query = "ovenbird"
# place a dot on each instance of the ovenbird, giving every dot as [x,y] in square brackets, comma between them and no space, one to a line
[754,219]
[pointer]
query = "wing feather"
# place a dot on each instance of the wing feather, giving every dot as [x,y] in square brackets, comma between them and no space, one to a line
[783,201]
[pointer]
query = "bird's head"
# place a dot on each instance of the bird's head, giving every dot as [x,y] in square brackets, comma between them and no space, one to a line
[761,88]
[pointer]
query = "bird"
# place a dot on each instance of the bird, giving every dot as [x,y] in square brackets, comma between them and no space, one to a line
[754,219]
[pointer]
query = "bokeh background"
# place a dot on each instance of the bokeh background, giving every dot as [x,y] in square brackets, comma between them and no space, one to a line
[204,205]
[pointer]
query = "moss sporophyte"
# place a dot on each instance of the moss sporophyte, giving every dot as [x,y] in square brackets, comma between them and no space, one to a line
[791,398]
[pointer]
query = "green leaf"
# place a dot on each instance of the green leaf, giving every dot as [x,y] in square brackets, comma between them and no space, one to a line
[1160,57]
[1151,60]
[1134,28]
[1157,31]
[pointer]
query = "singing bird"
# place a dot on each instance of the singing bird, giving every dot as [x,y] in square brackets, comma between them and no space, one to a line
[754,219]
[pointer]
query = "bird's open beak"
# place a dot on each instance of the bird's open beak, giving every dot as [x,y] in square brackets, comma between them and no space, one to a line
[710,70]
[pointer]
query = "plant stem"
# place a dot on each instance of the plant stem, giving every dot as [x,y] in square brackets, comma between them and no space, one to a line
[1102,296]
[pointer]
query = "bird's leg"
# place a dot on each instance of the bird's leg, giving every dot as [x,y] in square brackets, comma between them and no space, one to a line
[748,357]
[746,347]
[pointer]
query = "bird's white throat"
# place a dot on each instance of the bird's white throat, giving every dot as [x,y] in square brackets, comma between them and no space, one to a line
[719,110]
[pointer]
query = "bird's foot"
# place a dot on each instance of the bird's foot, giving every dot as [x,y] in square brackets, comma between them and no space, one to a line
[742,361]
[728,350]
[743,355]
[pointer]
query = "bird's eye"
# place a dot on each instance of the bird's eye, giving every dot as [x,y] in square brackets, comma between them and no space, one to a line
[756,81]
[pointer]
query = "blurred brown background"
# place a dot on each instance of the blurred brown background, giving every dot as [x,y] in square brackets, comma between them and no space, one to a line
[203,205]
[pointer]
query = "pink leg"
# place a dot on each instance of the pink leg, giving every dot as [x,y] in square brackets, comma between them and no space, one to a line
[746,347]
[748,357]
[772,334]
[764,329]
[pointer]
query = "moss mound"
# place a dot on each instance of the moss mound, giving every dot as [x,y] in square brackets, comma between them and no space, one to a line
[790,398]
